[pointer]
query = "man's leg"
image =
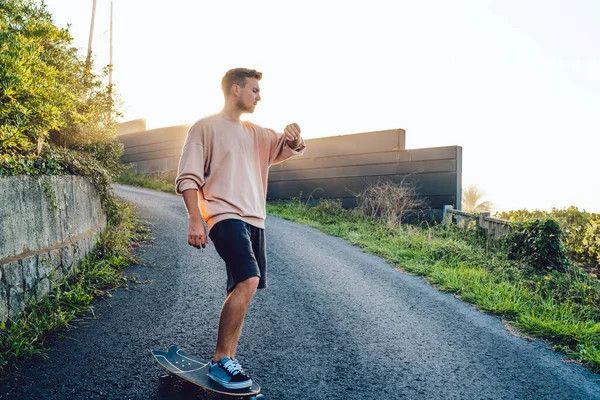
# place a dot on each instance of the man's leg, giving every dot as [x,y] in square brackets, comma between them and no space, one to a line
[232,317]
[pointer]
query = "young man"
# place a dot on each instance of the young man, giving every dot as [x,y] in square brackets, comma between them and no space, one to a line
[222,177]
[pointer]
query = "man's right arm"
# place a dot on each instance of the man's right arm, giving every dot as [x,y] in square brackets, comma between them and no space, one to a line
[197,231]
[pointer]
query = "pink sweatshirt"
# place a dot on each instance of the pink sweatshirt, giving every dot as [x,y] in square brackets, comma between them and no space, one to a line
[228,163]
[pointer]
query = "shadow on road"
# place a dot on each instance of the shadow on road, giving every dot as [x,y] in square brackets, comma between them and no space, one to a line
[170,387]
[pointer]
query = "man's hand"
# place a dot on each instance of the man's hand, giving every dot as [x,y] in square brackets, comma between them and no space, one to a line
[197,233]
[292,134]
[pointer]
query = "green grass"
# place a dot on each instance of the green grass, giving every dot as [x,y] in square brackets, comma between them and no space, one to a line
[162,181]
[97,274]
[563,308]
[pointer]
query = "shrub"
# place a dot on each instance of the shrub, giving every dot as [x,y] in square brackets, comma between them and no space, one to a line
[522,215]
[591,241]
[581,233]
[539,243]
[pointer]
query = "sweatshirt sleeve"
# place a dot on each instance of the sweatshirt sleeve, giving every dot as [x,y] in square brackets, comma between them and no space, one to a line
[280,149]
[190,174]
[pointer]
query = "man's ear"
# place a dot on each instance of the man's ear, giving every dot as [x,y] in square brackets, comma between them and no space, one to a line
[235,90]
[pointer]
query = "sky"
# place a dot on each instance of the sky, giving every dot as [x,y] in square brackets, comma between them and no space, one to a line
[515,83]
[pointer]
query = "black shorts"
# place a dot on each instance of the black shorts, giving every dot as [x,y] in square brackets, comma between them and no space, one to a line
[242,246]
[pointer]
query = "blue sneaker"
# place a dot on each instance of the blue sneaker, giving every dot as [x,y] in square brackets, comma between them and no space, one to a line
[229,374]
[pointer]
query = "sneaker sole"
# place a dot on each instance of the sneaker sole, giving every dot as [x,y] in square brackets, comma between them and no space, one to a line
[229,385]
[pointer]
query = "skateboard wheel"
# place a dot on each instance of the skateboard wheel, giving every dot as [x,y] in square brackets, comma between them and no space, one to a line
[259,397]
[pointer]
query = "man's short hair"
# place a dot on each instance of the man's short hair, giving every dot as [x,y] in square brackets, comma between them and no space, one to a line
[237,76]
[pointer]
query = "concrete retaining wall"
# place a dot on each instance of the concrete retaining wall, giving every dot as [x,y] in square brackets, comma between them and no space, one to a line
[41,244]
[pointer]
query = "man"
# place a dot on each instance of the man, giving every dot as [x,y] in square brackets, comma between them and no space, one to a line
[223,174]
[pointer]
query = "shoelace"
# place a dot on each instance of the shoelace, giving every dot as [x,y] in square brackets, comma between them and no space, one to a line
[233,367]
[239,366]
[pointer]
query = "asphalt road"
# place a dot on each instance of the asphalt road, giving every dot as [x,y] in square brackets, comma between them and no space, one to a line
[335,323]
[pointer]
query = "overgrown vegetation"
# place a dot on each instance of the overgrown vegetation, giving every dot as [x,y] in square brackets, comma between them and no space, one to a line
[539,243]
[581,231]
[58,117]
[561,305]
[48,92]
[390,201]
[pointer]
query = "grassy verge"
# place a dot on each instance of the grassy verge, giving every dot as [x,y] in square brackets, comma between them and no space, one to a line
[161,181]
[99,272]
[563,308]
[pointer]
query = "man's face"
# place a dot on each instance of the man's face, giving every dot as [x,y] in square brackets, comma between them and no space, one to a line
[248,96]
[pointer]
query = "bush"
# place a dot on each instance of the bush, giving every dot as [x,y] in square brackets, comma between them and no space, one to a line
[539,243]
[574,224]
[581,233]
[522,215]
[390,201]
[591,241]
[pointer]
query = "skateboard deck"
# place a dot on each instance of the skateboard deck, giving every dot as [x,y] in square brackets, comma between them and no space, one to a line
[195,370]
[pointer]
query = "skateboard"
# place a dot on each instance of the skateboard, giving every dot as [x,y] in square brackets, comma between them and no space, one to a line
[195,370]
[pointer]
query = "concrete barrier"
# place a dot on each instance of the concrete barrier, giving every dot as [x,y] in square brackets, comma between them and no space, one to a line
[332,167]
[155,150]
[137,125]
[339,167]
[42,243]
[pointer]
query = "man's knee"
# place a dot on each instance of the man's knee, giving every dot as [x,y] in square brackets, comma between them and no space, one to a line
[251,283]
[248,286]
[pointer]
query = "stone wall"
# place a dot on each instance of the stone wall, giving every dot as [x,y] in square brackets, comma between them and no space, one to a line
[47,226]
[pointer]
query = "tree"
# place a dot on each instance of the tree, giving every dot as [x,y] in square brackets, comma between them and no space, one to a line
[34,94]
[46,91]
[472,200]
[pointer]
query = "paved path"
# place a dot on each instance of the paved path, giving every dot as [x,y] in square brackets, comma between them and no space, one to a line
[335,323]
